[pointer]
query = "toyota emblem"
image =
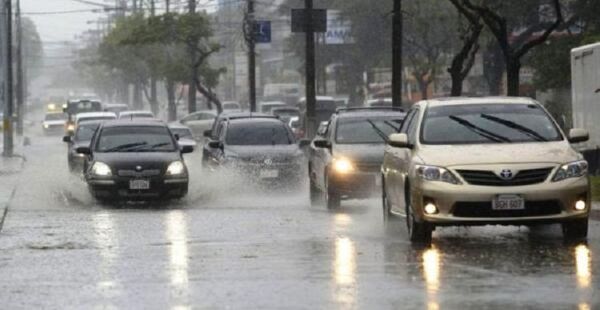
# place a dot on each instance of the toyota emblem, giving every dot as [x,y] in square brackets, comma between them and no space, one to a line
[506,174]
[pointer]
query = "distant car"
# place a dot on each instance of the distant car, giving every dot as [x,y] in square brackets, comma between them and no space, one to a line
[137,160]
[232,106]
[480,161]
[183,134]
[91,116]
[116,108]
[346,155]
[136,115]
[286,113]
[262,149]
[199,122]
[82,137]
[216,130]
[54,123]
[379,103]
[268,106]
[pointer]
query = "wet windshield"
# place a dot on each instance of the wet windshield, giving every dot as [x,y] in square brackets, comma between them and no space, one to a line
[366,131]
[135,139]
[490,123]
[258,134]
[85,132]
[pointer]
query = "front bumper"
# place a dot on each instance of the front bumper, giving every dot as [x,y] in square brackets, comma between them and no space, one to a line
[548,202]
[118,188]
[271,175]
[355,185]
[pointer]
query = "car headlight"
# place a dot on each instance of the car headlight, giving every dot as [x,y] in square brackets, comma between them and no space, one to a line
[71,127]
[571,170]
[176,168]
[101,169]
[342,165]
[432,173]
[46,126]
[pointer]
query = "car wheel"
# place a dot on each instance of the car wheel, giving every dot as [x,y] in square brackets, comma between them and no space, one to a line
[575,230]
[332,199]
[418,232]
[315,193]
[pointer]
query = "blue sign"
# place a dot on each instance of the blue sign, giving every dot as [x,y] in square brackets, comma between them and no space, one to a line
[262,31]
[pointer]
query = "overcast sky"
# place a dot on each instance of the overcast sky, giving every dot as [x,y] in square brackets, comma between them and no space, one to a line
[59,27]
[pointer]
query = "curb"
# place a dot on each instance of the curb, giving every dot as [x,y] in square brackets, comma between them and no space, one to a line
[4,208]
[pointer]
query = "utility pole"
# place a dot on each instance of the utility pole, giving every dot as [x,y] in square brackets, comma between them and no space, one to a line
[194,76]
[8,81]
[311,100]
[397,55]
[153,92]
[251,56]
[20,74]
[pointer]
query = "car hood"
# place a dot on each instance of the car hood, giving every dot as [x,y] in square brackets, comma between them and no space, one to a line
[267,151]
[131,160]
[518,153]
[364,153]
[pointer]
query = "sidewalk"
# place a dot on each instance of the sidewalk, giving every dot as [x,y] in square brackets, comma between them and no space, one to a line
[9,167]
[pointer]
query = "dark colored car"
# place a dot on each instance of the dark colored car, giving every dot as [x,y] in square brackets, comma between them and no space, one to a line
[82,137]
[135,160]
[346,155]
[259,148]
[214,133]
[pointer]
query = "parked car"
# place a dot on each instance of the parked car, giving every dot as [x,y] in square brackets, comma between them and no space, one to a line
[136,160]
[136,115]
[485,161]
[54,123]
[268,106]
[346,155]
[199,122]
[262,149]
[380,102]
[82,137]
[232,106]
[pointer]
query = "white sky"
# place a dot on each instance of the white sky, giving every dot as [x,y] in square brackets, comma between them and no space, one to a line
[59,27]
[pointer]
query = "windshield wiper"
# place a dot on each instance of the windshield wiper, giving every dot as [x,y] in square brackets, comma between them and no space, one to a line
[125,147]
[378,131]
[528,131]
[480,131]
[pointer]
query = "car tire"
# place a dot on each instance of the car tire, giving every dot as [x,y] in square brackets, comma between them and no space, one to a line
[332,199]
[418,232]
[575,230]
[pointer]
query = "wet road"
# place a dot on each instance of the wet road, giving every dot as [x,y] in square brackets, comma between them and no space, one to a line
[226,249]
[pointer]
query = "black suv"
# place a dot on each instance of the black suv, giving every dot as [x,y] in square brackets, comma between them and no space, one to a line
[135,160]
[346,155]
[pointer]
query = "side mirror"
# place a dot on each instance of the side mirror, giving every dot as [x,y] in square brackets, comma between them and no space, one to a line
[577,135]
[84,150]
[67,139]
[176,137]
[304,143]
[324,144]
[187,149]
[215,144]
[207,133]
[399,140]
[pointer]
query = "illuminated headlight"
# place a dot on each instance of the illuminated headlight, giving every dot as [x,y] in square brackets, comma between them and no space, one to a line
[71,127]
[430,208]
[432,173]
[580,205]
[571,170]
[46,126]
[101,169]
[176,168]
[342,165]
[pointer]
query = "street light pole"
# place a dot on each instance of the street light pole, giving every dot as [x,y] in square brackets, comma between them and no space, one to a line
[20,95]
[311,100]
[397,55]
[8,81]
[251,57]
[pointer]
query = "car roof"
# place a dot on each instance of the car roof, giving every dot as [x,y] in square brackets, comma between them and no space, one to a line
[235,115]
[476,100]
[213,112]
[137,112]
[133,123]
[256,121]
[94,114]
[94,122]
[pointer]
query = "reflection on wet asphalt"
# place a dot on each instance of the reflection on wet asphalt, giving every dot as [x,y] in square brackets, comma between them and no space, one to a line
[245,249]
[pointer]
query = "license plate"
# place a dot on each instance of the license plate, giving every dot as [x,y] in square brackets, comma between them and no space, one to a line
[139,184]
[508,202]
[269,174]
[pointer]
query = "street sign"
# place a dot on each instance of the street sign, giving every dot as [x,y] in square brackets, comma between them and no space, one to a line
[262,31]
[339,29]
[300,18]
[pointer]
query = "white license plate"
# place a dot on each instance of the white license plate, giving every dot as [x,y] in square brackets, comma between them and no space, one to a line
[508,202]
[269,174]
[139,184]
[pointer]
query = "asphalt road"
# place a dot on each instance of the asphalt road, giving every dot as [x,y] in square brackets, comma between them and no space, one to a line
[225,247]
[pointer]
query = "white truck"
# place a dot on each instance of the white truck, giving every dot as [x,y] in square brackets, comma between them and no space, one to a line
[585,71]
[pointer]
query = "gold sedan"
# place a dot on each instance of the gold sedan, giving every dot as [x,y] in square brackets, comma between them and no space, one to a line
[484,161]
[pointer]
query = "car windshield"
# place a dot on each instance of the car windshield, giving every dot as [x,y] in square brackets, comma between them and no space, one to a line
[135,139]
[488,123]
[366,130]
[258,134]
[85,132]
[182,132]
[55,117]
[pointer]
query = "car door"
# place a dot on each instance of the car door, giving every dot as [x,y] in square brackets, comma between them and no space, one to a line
[214,154]
[395,163]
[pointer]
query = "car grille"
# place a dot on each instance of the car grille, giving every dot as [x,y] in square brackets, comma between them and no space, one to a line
[138,174]
[484,209]
[489,178]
